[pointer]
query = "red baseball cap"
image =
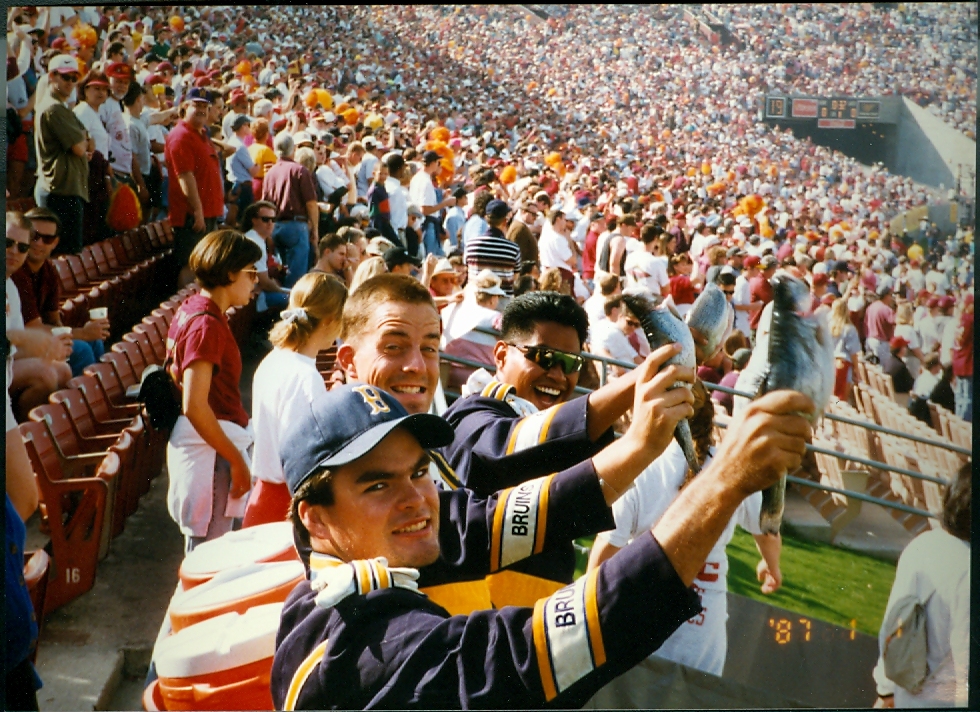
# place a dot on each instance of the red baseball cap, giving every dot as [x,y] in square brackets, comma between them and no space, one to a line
[751,261]
[820,279]
[898,342]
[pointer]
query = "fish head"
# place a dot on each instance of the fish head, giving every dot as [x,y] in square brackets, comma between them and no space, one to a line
[710,321]
[662,326]
[790,294]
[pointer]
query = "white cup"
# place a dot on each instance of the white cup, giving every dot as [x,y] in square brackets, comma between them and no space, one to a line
[98,313]
[59,330]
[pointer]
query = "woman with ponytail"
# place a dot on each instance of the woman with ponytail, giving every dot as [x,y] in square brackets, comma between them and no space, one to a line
[287,381]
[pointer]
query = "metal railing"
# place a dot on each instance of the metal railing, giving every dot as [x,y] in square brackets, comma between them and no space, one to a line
[874,464]
[605,362]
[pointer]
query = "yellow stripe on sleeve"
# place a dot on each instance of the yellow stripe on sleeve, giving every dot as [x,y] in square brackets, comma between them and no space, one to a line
[384,578]
[498,529]
[513,436]
[541,648]
[302,674]
[592,617]
[363,576]
[550,415]
[542,515]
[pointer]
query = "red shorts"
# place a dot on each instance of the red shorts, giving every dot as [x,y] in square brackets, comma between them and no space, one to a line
[17,151]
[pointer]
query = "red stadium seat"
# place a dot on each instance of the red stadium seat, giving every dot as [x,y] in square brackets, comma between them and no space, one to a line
[74,514]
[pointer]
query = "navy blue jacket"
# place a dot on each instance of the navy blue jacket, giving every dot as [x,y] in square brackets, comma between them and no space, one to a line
[395,648]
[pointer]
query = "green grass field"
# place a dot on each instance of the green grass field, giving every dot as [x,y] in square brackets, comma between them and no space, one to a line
[819,580]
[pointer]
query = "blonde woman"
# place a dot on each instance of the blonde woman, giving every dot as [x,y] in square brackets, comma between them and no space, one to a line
[287,381]
[847,346]
[903,327]
[371,267]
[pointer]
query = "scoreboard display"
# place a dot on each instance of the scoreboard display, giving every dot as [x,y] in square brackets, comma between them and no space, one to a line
[830,112]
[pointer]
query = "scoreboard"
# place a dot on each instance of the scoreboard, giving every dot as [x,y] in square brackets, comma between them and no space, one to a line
[831,113]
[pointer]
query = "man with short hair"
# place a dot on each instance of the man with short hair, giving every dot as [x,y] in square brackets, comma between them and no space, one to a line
[332,257]
[646,268]
[879,320]
[372,530]
[38,367]
[260,218]
[196,189]
[611,337]
[63,150]
[422,192]
[40,292]
[240,172]
[520,232]
[493,251]
[289,186]
[760,290]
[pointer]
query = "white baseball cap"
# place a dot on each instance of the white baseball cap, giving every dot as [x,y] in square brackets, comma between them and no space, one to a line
[63,63]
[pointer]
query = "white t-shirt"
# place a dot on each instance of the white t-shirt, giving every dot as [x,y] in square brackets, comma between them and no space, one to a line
[120,144]
[647,272]
[595,308]
[421,191]
[553,248]
[93,124]
[742,296]
[285,384]
[15,318]
[607,339]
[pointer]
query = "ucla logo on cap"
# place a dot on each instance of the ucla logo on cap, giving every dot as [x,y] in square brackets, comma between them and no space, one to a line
[372,398]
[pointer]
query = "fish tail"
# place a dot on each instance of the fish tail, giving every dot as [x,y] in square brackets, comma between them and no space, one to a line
[682,433]
[773,503]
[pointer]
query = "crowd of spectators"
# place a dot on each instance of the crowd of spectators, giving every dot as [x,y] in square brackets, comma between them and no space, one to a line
[488,153]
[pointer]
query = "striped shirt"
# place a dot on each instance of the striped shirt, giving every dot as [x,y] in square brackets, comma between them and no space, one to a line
[496,253]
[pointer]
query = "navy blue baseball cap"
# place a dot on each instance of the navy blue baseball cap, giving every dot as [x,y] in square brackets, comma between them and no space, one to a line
[348,423]
[497,209]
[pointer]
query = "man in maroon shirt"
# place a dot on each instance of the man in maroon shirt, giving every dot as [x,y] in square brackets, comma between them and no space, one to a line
[760,290]
[289,186]
[40,292]
[596,226]
[196,193]
[879,320]
[963,361]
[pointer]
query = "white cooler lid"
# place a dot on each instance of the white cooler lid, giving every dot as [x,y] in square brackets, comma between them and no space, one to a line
[237,583]
[234,549]
[221,643]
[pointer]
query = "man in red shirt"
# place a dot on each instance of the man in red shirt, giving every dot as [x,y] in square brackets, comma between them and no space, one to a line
[289,186]
[196,193]
[596,226]
[40,292]
[879,320]
[963,361]
[760,290]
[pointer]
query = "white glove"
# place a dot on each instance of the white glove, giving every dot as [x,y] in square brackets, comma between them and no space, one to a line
[360,576]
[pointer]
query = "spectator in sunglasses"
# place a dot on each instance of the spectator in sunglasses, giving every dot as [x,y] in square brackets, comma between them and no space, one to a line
[521,422]
[40,292]
[63,171]
[37,367]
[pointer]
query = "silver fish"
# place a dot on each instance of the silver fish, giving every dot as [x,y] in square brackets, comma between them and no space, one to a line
[663,326]
[800,358]
[713,319]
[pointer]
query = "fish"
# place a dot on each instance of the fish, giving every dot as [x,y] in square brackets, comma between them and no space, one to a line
[662,325]
[712,318]
[799,356]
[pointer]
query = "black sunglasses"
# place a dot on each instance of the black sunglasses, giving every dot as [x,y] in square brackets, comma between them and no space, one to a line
[547,358]
[46,239]
[265,219]
[22,247]
[728,291]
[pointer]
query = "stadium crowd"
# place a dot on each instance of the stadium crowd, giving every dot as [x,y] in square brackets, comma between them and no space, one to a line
[487,155]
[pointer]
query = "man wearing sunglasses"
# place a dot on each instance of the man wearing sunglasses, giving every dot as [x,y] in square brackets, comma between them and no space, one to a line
[40,292]
[38,367]
[62,148]
[522,422]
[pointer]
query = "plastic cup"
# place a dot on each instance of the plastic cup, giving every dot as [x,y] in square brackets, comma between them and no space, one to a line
[59,330]
[98,313]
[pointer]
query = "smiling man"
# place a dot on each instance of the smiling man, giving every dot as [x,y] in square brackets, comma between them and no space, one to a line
[523,423]
[371,528]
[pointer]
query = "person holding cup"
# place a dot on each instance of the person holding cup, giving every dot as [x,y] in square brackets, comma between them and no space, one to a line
[37,367]
[40,293]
